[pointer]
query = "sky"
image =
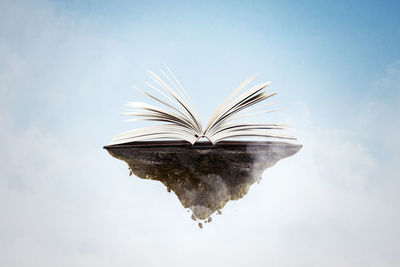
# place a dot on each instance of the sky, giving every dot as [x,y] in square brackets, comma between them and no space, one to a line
[67,67]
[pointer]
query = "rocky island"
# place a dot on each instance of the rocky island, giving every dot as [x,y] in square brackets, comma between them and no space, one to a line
[203,176]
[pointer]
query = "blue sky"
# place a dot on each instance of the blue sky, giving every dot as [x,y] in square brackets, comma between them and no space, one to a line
[66,68]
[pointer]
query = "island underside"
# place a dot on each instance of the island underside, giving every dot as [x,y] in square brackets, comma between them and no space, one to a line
[203,176]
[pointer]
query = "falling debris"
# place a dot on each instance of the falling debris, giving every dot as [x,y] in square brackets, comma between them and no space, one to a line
[219,212]
[194,217]
[201,225]
[209,219]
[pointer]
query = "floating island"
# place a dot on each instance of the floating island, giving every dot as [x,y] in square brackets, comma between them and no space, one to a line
[203,176]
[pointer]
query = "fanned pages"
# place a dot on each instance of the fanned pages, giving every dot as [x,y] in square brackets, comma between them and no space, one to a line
[181,121]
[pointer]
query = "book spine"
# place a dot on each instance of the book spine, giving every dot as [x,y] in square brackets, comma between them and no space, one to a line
[201,137]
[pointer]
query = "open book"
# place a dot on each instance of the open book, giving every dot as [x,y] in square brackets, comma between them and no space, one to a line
[181,121]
